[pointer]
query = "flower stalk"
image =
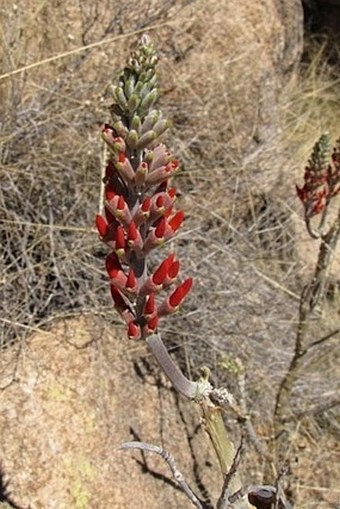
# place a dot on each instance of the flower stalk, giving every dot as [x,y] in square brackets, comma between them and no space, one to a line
[139,217]
[321,185]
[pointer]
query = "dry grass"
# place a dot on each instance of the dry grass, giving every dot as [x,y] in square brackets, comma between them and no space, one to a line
[240,245]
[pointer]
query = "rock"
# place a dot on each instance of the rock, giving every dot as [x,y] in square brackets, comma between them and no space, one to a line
[69,398]
[233,59]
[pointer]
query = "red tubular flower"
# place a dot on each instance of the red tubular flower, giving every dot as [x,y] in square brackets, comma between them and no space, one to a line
[110,192]
[134,331]
[134,238]
[112,265]
[171,304]
[176,221]
[117,298]
[160,274]
[150,306]
[121,305]
[172,192]
[164,231]
[102,225]
[151,326]
[180,293]
[172,274]
[108,136]
[162,173]
[131,282]
[143,211]
[160,228]
[160,203]
[120,242]
[120,209]
[155,282]
[124,167]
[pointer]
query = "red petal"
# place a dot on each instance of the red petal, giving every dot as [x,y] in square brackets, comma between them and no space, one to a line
[132,231]
[160,274]
[179,294]
[112,265]
[152,323]
[173,270]
[109,192]
[134,331]
[121,203]
[120,238]
[121,157]
[160,229]
[102,226]
[146,204]
[150,305]
[131,282]
[176,221]
[160,202]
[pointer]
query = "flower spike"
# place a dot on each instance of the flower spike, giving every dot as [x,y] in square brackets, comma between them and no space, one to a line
[139,203]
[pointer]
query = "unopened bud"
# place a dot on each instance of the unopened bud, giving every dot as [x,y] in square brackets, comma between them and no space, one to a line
[133,103]
[148,100]
[120,97]
[132,139]
[146,139]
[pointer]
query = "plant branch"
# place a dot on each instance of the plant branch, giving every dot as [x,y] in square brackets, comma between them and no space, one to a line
[311,297]
[224,499]
[178,476]
[321,340]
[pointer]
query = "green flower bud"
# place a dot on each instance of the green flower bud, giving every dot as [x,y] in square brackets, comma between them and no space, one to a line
[148,101]
[150,120]
[136,123]
[153,80]
[132,139]
[120,98]
[146,139]
[133,103]
[129,86]
[161,126]
[110,89]
[144,90]
[120,128]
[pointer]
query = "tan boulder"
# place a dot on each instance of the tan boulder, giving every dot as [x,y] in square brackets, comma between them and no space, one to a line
[69,398]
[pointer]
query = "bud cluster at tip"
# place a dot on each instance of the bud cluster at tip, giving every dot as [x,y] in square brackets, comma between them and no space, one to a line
[139,210]
[321,178]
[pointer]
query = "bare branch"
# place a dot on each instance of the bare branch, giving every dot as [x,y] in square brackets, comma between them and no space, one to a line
[321,340]
[224,500]
[178,476]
